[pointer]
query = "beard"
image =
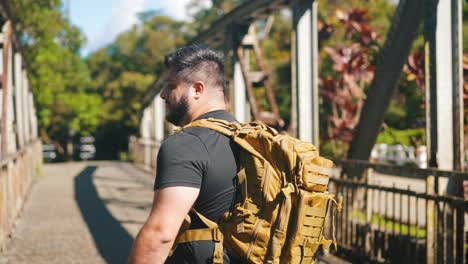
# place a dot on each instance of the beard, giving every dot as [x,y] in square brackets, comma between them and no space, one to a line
[178,112]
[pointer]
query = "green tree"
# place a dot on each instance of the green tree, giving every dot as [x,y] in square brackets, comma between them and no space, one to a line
[60,79]
[124,70]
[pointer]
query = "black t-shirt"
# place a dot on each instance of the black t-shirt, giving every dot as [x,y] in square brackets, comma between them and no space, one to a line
[202,158]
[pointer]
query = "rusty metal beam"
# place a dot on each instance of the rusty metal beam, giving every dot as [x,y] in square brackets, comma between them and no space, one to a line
[266,74]
[247,83]
[405,24]
[244,14]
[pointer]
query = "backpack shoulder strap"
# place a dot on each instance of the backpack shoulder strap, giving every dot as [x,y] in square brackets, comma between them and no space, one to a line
[222,126]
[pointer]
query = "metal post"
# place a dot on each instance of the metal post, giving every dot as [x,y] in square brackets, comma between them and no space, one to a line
[20,107]
[242,108]
[456,218]
[27,108]
[306,59]
[444,82]
[430,222]
[445,108]
[457,69]
[145,136]
[431,81]
[25,99]
[292,130]
[32,115]
[4,125]
[160,117]
[240,104]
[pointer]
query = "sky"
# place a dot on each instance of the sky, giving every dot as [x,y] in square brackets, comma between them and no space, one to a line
[102,20]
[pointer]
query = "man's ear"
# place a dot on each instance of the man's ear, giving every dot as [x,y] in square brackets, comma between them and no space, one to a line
[199,88]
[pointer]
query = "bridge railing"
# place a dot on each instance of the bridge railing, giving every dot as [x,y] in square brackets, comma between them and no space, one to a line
[16,176]
[398,214]
[143,153]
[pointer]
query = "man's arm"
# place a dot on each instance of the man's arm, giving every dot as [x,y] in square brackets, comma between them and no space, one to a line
[156,237]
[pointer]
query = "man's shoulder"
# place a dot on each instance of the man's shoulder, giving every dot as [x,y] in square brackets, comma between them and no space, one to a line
[181,140]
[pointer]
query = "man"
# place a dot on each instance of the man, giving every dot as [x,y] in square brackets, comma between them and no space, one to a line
[195,167]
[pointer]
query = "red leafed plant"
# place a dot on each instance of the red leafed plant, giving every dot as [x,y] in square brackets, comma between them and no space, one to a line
[343,89]
[414,69]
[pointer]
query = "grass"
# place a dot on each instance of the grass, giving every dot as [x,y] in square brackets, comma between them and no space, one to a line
[388,225]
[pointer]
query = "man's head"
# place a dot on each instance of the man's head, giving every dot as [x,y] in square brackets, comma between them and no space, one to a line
[195,84]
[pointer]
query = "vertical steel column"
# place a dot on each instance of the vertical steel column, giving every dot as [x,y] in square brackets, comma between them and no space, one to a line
[431,81]
[20,107]
[454,187]
[239,101]
[159,110]
[25,89]
[11,130]
[445,112]
[444,82]
[5,89]
[32,115]
[306,69]
[240,98]
[292,130]
[457,69]
[145,136]
[27,111]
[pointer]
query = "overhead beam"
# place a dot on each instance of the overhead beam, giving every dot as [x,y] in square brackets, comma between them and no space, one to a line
[408,16]
[244,14]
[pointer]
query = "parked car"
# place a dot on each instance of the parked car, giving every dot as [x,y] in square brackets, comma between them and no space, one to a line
[49,152]
[86,148]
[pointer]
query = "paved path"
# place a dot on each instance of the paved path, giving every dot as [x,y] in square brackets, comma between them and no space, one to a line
[81,213]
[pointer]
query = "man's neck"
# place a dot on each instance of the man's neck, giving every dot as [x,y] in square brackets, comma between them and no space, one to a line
[196,114]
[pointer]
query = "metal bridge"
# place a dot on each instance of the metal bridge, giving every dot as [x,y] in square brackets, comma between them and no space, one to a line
[392,214]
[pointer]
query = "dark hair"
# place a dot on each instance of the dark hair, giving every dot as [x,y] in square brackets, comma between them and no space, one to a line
[197,61]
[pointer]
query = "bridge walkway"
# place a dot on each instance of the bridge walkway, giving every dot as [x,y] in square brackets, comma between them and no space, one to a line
[81,213]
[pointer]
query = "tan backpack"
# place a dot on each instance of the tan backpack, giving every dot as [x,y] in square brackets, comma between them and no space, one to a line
[281,214]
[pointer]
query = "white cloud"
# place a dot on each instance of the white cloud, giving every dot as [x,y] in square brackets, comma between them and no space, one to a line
[124,15]
[174,8]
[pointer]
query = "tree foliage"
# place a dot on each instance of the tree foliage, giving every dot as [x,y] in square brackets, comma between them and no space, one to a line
[124,70]
[60,79]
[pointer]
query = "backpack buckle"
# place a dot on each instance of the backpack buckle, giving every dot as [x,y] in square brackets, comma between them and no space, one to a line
[217,235]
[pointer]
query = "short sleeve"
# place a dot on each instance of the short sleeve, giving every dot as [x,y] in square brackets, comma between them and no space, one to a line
[182,161]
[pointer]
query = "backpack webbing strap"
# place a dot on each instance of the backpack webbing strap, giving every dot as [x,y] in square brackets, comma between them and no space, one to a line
[211,233]
[202,234]
[219,125]
[280,231]
[230,129]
